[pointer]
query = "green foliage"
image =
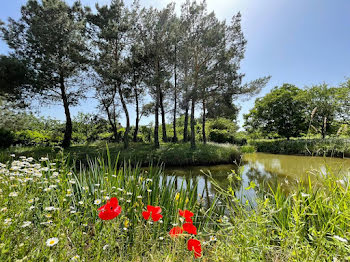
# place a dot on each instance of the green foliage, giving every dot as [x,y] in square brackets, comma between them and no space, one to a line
[280,111]
[221,136]
[322,107]
[6,138]
[14,80]
[316,147]
[310,223]
[247,149]
[170,154]
[30,138]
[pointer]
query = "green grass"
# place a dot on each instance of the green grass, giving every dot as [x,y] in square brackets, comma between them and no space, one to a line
[334,147]
[170,154]
[311,223]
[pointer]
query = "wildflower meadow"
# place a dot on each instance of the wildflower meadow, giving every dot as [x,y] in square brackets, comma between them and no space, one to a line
[55,211]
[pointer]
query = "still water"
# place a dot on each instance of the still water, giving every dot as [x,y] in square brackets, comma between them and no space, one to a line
[262,169]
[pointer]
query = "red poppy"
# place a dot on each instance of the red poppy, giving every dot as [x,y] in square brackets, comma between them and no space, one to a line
[194,244]
[175,231]
[187,215]
[110,210]
[154,212]
[190,228]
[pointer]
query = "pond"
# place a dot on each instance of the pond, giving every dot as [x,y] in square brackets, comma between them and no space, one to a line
[261,168]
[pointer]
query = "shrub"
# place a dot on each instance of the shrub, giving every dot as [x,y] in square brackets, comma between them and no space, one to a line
[30,138]
[220,136]
[6,138]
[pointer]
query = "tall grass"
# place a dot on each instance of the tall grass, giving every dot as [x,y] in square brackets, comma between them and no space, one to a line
[170,154]
[61,200]
[335,147]
[41,200]
[312,223]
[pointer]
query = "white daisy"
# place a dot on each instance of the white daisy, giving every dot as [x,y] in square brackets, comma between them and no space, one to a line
[26,224]
[52,241]
[340,239]
[97,201]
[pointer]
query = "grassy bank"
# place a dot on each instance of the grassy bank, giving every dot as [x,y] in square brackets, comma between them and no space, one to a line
[170,154]
[333,147]
[44,200]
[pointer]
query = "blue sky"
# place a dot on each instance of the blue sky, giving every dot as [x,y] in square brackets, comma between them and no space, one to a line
[302,42]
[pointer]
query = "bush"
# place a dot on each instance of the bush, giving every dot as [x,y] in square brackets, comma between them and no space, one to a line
[6,138]
[248,149]
[317,147]
[220,136]
[31,138]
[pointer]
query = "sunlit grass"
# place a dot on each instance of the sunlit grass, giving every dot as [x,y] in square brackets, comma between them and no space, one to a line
[49,212]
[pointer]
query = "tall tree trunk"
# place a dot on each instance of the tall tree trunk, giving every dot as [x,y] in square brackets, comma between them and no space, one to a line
[112,123]
[156,110]
[125,108]
[137,116]
[186,121]
[193,132]
[164,135]
[156,120]
[68,131]
[175,97]
[203,124]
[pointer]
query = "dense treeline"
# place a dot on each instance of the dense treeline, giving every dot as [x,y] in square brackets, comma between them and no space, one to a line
[161,62]
[289,111]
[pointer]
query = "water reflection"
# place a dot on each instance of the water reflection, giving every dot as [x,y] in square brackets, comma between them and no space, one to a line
[260,168]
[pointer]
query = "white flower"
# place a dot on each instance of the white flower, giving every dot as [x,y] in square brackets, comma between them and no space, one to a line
[81,203]
[213,238]
[72,181]
[30,201]
[8,221]
[149,190]
[46,223]
[50,208]
[97,201]
[129,201]
[43,159]
[13,194]
[52,241]
[340,239]
[31,207]
[305,195]
[75,258]
[12,155]
[97,185]
[129,193]
[161,238]
[105,247]
[4,209]
[26,224]
[139,197]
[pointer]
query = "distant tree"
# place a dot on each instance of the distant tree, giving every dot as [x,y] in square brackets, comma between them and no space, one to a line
[321,107]
[156,37]
[51,38]
[15,81]
[280,111]
[342,98]
[111,34]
